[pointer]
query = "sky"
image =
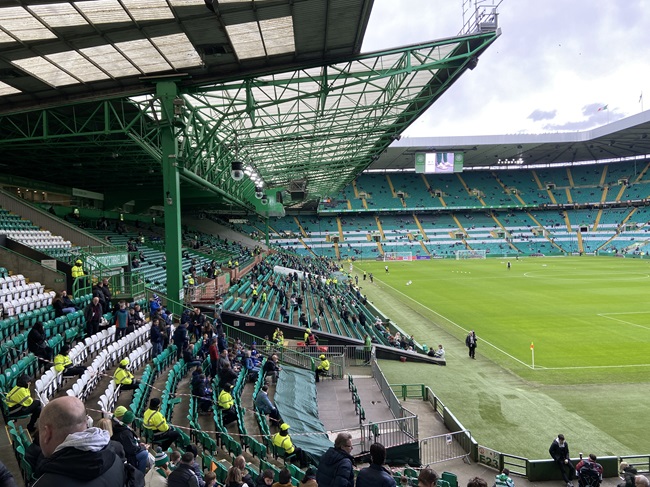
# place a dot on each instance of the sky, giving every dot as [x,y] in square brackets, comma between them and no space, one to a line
[555,64]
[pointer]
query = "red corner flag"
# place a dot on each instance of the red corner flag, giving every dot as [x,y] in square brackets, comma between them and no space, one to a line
[532,347]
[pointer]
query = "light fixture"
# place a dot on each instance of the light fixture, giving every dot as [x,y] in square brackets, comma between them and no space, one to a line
[237,170]
[259,192]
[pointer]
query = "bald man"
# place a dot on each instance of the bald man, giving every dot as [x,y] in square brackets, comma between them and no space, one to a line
[74,454]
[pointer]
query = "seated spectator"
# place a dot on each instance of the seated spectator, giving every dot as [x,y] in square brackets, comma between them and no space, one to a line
[265,478]
[589,471]
[63,364]
[427,478]
[63,305]
[282,440]
[190,359]
[123,376]
[136,452]
[153,420]
[227,376]
[37,344]
[272,368]
[226,405]
[203,392]
[265,406]
[284,479]
[20,403]
[249,363]
[439,353]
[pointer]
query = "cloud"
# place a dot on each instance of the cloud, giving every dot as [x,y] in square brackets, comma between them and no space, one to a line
[596,114]
[538,115]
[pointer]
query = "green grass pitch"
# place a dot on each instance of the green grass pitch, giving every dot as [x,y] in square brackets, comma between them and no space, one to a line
[589,320]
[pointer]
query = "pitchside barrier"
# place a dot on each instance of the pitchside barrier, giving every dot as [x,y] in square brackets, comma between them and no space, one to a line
[460,444]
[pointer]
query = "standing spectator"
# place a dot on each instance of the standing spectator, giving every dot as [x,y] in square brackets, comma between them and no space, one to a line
[180,339]
[336,465]
[376,475]
[155,335]
[98,292]
[20,403]
[503,479]
[471,343]
[93,315]
[121,321]
[77,269]
[559,451]
[108,295]
[74,453]
[213,352]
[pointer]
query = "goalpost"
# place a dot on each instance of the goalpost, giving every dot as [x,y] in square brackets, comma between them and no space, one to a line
[397,256]
[470,254]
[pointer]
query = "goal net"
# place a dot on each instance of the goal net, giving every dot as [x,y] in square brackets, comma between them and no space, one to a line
[470,254]
[397,256]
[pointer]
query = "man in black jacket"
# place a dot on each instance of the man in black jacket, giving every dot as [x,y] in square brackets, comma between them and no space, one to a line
[74,454]
[559,450]
[336,465]
[184,475]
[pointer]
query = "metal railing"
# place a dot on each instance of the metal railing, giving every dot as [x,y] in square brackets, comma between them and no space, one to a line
[393,403]
[285,354]
[441,448]
[392,432]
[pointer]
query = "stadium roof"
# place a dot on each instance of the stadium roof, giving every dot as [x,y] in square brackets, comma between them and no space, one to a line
[59,51]
[626,138]
[276,84]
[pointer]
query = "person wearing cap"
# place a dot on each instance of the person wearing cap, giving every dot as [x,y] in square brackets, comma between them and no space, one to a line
[20,403]
[123,376]
[153,420]
[323,368]
[135,451]
[282,441]
[117,415]
[157,476]
[63,364]
[226,405]
[77,269]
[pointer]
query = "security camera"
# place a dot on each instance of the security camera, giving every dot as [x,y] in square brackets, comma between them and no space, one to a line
[259,192]
[237,170]
[265,200]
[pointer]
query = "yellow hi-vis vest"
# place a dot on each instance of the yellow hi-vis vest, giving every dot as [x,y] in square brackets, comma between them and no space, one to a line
[225,400]
[152,419]
[61,362]
[122,376]
[19,396]
[283,442]
[324,365]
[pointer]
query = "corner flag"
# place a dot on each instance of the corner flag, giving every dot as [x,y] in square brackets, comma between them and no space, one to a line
[532,353]
[532,346]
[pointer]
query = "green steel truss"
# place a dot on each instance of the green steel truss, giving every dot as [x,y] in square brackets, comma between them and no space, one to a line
[320,124]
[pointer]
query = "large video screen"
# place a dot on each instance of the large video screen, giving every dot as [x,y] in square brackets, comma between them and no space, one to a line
[439,162]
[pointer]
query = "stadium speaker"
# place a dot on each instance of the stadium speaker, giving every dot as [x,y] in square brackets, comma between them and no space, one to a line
[472,63]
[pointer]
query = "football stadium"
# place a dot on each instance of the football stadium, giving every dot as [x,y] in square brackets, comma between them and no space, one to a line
[224,260]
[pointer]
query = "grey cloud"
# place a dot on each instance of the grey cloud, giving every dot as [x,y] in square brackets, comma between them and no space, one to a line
[594,118]
[538,115]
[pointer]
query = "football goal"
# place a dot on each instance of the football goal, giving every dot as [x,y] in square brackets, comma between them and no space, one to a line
[397,256]
[470,254]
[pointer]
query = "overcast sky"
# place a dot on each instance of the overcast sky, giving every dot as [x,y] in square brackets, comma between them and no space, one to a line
[555,64]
